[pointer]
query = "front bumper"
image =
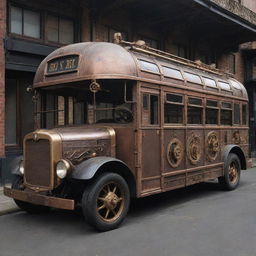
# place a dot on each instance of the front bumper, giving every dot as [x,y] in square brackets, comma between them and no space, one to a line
[34,198]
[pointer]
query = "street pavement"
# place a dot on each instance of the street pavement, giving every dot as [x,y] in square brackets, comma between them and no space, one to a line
[7,205]
[199,220]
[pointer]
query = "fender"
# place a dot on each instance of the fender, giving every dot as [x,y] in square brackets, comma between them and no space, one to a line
[87,169]
[232,148]
[15,165]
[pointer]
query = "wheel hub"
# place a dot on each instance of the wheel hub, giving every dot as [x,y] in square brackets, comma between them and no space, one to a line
[111,200]
[233,174]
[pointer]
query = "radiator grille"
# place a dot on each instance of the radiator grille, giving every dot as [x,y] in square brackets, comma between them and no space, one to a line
[38,163]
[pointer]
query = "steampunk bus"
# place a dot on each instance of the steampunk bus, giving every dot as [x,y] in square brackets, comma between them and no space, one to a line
[121,120]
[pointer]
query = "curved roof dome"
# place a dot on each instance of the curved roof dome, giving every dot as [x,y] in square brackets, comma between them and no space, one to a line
[104,60]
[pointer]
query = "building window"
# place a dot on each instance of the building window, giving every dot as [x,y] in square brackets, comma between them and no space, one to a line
[59,30]
[180,50]
[24,22]
[232,63]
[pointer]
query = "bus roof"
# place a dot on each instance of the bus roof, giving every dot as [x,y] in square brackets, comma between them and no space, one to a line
[101,60]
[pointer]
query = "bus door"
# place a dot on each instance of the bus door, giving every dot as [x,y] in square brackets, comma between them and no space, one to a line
[150,138]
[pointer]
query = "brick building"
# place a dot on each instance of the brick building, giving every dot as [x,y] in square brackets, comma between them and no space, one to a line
[207,30]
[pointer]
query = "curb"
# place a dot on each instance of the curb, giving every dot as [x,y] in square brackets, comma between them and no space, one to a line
[4,207]
[9,211]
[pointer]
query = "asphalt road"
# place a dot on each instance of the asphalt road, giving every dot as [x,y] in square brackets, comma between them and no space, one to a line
[200,220]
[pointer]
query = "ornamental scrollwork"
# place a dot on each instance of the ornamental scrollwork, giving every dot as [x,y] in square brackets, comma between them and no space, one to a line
[194,150]
[212,146]
[175,152]
[236,137]
[76,156]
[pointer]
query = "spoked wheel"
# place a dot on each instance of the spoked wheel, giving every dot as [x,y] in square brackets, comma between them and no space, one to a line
[106,201]
[232,171]
[110,202]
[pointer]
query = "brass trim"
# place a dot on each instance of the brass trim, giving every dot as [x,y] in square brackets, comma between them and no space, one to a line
[112,134]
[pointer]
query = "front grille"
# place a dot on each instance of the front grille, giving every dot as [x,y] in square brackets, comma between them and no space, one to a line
[38,163]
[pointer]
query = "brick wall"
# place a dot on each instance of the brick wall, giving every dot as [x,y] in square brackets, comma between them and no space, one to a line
[2,73]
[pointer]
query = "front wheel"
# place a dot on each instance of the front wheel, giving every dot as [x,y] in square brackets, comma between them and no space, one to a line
[231,178]
[106,201]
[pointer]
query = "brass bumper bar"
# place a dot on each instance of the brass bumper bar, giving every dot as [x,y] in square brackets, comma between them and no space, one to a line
[35,198]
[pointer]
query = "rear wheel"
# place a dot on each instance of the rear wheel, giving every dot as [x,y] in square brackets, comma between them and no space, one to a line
[28,207]
[231,178]
[106,201]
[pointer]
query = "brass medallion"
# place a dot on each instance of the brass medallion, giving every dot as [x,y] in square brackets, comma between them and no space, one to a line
[194,149]
[212,146]
[94,86]
[175,152]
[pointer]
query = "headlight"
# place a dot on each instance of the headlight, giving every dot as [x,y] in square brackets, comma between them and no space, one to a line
[21,167]
[62,168]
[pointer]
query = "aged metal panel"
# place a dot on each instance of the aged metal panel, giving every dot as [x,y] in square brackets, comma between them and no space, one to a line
[151,149]
[151,185]
[195,177]
[125,146]
[173,182]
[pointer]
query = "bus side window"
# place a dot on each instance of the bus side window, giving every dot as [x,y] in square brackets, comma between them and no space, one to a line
[61,110]
[195,111]
[211,112]
[237,118]
[226,113]
[173,109]
[244,114]
[150,104]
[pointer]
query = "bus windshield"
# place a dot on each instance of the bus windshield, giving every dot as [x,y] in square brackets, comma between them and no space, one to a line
[106,101]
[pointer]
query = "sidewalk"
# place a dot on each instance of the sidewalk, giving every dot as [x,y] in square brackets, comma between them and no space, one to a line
[7,204]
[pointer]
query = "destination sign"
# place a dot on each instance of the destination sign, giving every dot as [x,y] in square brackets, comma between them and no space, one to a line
[63,64]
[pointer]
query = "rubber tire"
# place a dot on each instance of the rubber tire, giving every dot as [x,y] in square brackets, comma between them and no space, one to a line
[224,181]
[25,206]
[89,201]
